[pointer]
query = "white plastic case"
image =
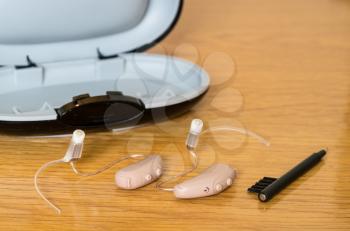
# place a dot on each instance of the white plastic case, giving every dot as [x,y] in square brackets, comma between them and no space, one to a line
[52,51]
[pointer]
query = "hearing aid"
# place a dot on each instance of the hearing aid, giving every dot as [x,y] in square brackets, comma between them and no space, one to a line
[215,179]
[134,176]
[212,181]
[140,174]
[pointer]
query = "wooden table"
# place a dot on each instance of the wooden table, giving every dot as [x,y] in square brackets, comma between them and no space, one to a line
[289,81]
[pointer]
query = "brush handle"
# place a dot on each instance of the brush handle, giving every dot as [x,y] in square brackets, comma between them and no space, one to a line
[290,176]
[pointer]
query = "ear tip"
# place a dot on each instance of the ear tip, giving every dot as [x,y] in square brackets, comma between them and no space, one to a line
[78,136]
[197,126]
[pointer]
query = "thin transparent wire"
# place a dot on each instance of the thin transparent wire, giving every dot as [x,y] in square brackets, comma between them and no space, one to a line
[76,171]
[195,162]
[239,130]
[36,177]
[195,158]
[104,168]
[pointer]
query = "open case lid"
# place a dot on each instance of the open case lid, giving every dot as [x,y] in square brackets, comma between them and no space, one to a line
[63,30]
[73,63]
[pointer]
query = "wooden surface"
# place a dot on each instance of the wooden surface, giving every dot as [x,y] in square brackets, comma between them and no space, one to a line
[290,83]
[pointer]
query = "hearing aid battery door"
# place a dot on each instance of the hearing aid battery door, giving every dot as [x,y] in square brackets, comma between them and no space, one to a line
[52,51]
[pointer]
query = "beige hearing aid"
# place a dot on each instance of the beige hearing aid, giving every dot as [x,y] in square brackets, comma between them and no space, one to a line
[134,176]
[140,174]
[212,181]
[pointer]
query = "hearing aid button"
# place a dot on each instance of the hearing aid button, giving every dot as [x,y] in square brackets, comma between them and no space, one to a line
[229,182]
[159,171]
[218,187]
[148,177]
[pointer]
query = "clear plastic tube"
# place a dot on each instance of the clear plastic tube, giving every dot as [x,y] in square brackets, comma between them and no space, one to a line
[104,168]
[36,177]
[239,130]
[195,162]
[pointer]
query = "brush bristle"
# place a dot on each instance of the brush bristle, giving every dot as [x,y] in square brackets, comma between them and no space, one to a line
[261,184]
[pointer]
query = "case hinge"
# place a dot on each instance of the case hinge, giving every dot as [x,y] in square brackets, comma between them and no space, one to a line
[112,108]
[104,57]
[30,64]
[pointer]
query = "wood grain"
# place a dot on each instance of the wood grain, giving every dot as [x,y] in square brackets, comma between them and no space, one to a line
[291,83]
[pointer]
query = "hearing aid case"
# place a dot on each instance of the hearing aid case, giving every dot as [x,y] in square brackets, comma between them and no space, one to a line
[78,64]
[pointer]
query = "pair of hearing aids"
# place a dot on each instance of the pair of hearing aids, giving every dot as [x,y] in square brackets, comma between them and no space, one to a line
[213,180]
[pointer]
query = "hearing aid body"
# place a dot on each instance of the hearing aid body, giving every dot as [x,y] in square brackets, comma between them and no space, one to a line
[212,181]
[140,174]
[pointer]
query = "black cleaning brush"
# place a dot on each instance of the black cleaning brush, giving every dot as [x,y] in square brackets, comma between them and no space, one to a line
[268,187]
